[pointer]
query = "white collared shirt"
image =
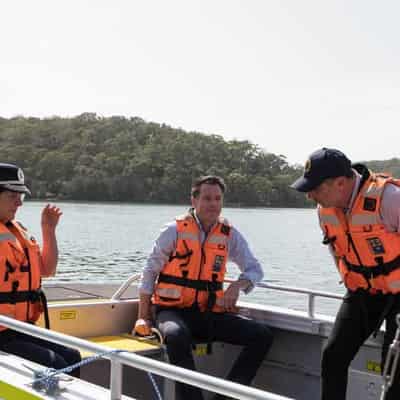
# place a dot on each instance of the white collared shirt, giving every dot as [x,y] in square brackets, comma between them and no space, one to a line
[390,205]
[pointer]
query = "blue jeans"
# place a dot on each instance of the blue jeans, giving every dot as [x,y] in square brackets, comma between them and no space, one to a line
[180,327]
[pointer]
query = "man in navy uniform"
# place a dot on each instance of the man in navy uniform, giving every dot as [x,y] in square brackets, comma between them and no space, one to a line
[359,214]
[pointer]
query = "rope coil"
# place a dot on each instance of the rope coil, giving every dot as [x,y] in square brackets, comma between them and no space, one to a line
[46,380]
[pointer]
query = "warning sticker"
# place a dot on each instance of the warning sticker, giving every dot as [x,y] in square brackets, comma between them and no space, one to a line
[67,314]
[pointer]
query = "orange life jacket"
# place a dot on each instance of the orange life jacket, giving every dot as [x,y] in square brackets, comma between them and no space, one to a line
[20,260]
[195,272]
[368,255]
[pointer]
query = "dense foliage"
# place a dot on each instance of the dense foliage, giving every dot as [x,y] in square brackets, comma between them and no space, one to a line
[391,166]
[127,159]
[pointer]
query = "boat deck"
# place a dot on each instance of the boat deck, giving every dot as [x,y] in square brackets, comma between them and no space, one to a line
[94,313]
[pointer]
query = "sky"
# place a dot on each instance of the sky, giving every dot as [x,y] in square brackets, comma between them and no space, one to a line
[288,75]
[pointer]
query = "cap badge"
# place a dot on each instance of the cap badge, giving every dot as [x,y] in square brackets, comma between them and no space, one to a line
[20,175]
[307,166]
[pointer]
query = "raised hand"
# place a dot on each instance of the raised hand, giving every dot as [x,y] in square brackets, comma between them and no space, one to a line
[50,217]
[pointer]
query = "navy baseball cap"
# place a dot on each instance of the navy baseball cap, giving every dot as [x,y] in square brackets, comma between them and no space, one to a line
[322,164]
[12,178]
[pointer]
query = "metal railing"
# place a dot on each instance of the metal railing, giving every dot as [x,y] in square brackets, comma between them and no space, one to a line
[166,370]
[124,286]
[392,361]
[311,294]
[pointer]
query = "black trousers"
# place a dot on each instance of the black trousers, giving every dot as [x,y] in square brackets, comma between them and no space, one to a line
[41,351]
[358,317]
[181,326]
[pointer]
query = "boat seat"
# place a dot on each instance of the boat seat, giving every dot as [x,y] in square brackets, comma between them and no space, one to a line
[135,382]
[126,342]
[136,344]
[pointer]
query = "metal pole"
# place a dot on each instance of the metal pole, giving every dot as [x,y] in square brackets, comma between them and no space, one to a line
[392,360]
[124,286]
[116,380]
[311,305]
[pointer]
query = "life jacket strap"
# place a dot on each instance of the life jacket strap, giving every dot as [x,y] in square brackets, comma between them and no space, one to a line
[181,256]
[14,297]
[32,296]
[375,271]
[207,286]
[43,300]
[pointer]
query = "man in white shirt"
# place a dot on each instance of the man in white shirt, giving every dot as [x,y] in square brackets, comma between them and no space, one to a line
[184,278]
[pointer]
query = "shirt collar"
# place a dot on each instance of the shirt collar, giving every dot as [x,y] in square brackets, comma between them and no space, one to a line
[200,224]
[356,187]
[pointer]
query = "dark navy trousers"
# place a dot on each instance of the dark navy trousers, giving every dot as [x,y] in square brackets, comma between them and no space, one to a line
[41,351]
[181,327]
[358,317]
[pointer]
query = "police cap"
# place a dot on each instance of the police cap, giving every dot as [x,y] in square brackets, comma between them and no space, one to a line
[12,178]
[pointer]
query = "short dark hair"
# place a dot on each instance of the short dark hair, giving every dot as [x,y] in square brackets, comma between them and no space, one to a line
[209,180]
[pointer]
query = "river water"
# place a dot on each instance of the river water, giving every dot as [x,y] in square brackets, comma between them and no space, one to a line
[107,242]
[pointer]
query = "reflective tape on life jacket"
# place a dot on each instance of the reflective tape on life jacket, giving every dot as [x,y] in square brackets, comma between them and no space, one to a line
[218,240]
[20,276]
[169,292]
[7,237]
[195,271]
[187,236]
[326,219]
[368,255]
[363,219]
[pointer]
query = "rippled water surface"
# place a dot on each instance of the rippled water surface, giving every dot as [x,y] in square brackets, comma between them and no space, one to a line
[102,242]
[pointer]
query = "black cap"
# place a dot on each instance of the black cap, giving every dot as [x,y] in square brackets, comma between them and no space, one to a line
[322,164]
[12,178]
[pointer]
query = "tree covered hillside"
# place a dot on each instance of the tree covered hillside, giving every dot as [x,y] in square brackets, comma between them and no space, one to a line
[391,166]
[128,159]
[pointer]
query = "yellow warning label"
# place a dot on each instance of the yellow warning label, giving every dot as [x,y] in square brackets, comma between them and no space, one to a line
[200,349]
[373,366]
[68,314]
